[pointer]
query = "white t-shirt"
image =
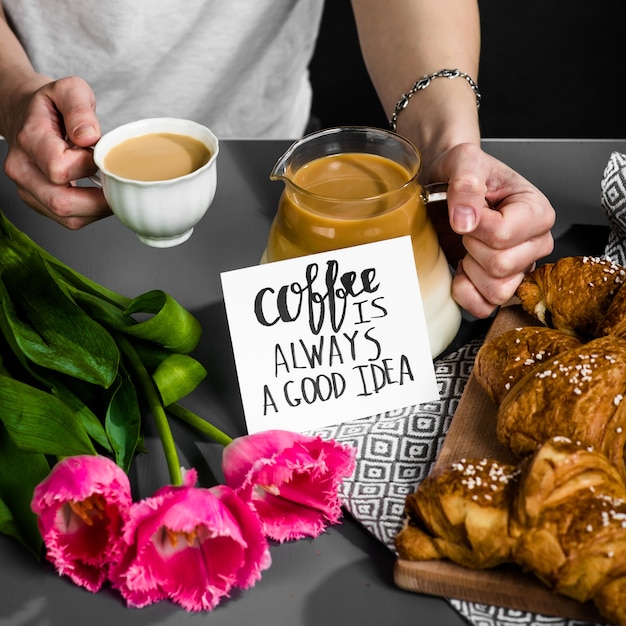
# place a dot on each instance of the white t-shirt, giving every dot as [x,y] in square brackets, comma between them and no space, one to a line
[237,66]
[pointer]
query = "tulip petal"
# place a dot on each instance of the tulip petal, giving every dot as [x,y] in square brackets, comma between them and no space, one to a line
[190,545]
[81,507]
[291,480]
[257,557]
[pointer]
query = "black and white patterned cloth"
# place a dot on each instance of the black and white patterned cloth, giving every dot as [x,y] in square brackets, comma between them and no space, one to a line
[614,205]
[396,450]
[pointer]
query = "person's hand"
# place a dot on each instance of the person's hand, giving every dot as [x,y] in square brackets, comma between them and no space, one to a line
[49,133]
[501,242]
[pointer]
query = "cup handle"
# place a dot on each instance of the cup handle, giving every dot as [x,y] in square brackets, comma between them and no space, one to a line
[95,179]
[437,192]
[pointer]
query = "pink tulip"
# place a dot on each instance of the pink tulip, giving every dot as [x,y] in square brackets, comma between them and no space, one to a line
[82,505]
[191,545]
[291,480]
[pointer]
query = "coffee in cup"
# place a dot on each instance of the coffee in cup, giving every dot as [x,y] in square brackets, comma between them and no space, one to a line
[157,156]
[159,176]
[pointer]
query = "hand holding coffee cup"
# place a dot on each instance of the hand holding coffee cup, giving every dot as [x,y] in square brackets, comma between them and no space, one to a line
[159,177]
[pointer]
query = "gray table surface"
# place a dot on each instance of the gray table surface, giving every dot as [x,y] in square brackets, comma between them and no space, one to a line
[345,575]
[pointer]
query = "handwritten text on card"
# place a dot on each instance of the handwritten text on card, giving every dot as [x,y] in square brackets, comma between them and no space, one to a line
[328,338]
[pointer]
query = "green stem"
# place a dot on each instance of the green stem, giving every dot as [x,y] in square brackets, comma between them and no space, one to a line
[199,424]
[156,408]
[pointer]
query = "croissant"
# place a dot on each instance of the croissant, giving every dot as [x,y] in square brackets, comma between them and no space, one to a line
[577,394]
[568,518]
[501,362]
[461,513]
[573,294]
[560,513]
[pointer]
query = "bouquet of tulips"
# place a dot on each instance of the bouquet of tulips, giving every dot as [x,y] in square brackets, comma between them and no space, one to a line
[79,364]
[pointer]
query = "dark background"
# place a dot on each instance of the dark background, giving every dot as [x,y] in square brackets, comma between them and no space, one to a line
[549,69]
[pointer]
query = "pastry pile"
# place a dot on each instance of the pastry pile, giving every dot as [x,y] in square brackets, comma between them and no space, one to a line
[560,512]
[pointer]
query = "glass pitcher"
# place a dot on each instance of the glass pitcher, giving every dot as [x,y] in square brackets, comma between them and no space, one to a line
[352,185]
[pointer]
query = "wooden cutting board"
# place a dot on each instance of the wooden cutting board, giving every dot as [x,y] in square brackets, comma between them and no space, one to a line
[472,434]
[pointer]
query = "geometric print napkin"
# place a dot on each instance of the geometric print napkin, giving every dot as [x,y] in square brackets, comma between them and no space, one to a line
[613,202]
[397,449]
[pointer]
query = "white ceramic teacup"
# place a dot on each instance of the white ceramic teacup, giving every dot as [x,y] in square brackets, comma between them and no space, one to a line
[162,213]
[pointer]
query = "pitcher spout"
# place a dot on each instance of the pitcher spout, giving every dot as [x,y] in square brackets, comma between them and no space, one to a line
[318,144]
[279,169]
[284,166]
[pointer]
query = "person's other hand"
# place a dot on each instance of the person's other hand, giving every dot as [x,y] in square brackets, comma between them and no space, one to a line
[501,242]
[49,133]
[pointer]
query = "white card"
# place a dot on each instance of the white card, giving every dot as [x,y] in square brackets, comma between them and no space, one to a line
[328,338]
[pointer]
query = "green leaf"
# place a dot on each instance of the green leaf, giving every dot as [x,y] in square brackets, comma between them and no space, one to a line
[20,473]
[8,525]
[118,319]
[101,310]
[48,327]
[62,273]
[176,376]
[150,354]
[87,418]
[39,422]
[23,370]
[171,325]
[123,420]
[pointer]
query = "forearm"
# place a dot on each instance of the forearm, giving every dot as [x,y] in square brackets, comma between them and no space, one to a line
[403,40]
[17,76]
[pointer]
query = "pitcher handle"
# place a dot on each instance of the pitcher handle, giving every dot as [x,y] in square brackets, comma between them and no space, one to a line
[436,192]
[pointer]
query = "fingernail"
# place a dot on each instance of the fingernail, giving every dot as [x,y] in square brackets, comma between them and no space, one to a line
[463,219]
[83,131]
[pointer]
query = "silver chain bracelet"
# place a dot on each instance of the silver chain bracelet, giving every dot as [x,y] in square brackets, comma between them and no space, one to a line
[422,83]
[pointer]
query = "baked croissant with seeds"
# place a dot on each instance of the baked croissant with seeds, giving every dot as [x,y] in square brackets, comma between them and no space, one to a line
[569,518]
[501,362]
[577,394]
[461,513]
[573,294]
[560,513]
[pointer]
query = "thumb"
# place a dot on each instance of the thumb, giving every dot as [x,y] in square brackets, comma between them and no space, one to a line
[76,103]
[463,218]
[467,170]
[466,200]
